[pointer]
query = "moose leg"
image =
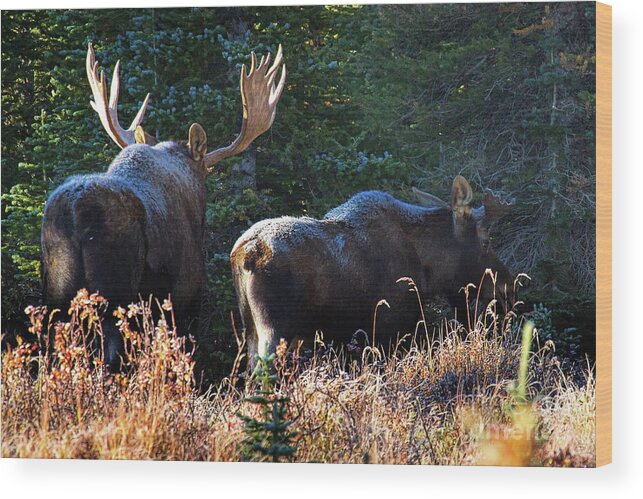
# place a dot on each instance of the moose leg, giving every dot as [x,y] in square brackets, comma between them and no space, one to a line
[111,276]
[187,322]
[113,259]
[185,288]
[61,267]
[61,272]
[261,334]
[257,314]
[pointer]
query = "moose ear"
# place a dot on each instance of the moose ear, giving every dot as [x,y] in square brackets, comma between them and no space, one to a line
[428,200]
[461,195]
[139,135]
[197,142]
[142,137]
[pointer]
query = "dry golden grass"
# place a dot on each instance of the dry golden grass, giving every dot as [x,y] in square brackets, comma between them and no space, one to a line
[449,401]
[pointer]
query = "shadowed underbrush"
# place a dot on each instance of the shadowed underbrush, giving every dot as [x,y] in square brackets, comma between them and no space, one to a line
[479,393]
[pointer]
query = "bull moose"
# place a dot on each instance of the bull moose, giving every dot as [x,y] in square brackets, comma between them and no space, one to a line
[294,276]
[137,229]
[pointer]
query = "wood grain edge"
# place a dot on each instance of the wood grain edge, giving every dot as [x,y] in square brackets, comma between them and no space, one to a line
[603,234]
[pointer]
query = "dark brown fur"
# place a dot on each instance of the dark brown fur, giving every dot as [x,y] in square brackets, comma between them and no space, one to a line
[132,231]
[296,276]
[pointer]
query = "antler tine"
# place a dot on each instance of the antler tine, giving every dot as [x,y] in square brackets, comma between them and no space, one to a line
[259,98]
[265,61]
[108,110]
[278,59]
[253,65]
[272,74]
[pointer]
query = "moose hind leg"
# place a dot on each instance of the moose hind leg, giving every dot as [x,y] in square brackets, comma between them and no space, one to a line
[256,316]
[260,334]
[265,335]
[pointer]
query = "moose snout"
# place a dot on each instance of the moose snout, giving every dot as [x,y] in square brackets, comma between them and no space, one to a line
[499,289]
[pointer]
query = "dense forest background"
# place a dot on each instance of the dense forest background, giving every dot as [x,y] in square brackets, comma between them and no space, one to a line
[378,97]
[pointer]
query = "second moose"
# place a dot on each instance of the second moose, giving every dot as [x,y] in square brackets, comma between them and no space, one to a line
[296,276]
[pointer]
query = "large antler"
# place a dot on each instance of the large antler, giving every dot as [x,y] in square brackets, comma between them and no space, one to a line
[107,111]
[259,97]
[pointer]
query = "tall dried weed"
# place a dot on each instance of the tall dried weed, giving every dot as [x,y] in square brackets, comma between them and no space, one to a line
[436,397]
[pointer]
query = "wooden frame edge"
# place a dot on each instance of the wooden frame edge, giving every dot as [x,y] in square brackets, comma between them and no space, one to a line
[603,234]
